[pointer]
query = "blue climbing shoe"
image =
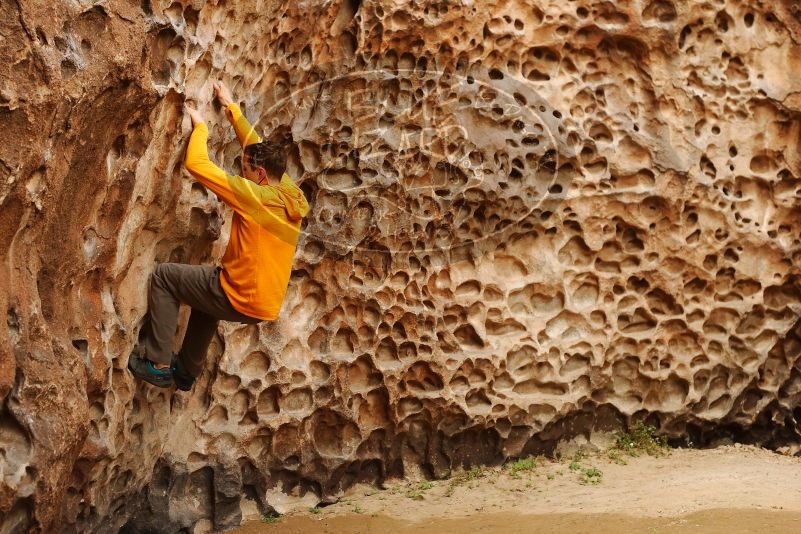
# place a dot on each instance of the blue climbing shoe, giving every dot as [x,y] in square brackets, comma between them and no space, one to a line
[144,369]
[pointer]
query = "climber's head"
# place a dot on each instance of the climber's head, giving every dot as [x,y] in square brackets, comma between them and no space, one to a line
[265,162]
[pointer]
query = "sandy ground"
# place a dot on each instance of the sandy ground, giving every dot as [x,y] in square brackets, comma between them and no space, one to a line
[728,489]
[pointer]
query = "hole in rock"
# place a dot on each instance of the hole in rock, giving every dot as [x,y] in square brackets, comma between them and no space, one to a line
[255,365]
[12,321]
[68,69]
[41,36]
[495,74]
[660,10]
[267,403]
[82,346]
[297,401]
[468,337]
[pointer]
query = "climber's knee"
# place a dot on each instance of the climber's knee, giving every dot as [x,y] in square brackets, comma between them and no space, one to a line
[162,272]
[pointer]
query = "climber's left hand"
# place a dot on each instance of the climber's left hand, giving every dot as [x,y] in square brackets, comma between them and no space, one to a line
[195,115]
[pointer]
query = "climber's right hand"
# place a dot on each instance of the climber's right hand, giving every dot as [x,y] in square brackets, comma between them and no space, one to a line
[223,94]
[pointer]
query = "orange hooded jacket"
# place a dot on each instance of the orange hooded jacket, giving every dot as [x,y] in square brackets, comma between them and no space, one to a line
[264,231]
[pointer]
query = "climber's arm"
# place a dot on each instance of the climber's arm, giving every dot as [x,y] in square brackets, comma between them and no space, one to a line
[238,192]
[244,131]
[230,189]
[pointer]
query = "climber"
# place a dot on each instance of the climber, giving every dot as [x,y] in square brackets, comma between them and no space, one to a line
[250,285]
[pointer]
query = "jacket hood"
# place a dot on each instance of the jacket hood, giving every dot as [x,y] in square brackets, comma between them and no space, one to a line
[292,198]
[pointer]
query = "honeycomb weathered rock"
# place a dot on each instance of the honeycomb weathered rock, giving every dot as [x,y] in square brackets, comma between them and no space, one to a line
[529,220]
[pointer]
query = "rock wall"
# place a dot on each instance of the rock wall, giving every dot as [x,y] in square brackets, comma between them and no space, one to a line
[530,220]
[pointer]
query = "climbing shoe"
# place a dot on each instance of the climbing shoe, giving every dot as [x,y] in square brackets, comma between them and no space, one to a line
[144,369]
[183,380]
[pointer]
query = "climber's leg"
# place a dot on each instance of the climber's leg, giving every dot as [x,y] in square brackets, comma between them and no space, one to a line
[202,324]
[171,285]
[199,332]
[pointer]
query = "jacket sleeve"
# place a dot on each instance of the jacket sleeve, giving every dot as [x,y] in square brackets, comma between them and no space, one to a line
[230,189]
[244,131]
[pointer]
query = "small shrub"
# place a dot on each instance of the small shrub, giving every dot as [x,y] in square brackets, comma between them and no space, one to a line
[270,518]
[639,439]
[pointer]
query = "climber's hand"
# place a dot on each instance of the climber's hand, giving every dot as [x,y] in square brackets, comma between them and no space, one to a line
[223,94]
[195,115]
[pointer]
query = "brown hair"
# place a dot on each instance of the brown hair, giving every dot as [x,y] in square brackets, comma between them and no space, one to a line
[271,154]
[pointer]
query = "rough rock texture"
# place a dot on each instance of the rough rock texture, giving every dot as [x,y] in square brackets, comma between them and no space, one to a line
[530,220]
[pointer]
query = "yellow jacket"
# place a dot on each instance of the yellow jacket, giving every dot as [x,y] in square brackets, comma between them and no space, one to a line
[264,231]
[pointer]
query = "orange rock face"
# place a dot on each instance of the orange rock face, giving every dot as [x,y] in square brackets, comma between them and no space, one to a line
[530,221]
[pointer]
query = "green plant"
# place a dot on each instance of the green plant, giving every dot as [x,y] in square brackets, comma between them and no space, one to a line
[639,439]
[523,464]
[416,493]
[358,509]
[474,473]
[270,518]
[587,475]
[315,510]
[615,455]
[464,477]
[591,475]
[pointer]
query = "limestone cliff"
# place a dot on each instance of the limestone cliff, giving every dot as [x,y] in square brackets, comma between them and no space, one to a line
[530,220]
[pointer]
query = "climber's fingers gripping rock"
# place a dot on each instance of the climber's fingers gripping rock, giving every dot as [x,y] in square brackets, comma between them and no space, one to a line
[195,115]
[223,94]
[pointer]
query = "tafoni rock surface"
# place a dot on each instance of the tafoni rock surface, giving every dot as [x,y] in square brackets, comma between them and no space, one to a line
[531,220]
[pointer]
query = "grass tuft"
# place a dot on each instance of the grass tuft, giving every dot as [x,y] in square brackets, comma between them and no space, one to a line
[591,475]
[417,493]
[465,477]
[587,475]
[519,466]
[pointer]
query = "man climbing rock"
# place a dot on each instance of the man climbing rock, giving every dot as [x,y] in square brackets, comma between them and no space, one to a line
[250,285]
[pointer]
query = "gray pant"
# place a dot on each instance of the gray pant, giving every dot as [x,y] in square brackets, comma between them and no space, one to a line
[199,287]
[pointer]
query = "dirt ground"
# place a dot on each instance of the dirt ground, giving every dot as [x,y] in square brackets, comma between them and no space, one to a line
[729,489]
